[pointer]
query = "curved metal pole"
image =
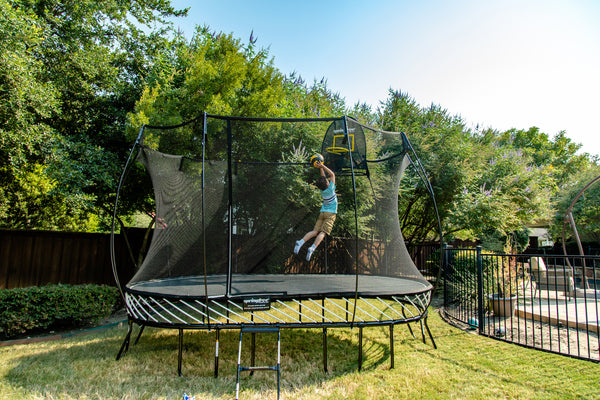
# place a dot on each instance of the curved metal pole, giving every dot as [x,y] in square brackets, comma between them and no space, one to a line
[113,260]
[569,218]
[575,232]
[423,175]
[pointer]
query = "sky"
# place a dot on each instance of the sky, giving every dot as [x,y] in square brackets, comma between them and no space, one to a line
[497,64]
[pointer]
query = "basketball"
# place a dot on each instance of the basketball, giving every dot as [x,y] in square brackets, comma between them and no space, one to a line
[315,158]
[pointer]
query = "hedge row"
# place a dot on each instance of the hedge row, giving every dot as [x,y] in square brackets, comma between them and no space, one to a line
[35,309]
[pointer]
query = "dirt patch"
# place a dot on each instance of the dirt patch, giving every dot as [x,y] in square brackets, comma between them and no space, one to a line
[561,339]
[556,338]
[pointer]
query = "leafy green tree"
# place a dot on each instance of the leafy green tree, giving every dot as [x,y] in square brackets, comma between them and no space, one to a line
[560,153]
[215,73]
[551,164]
[488,185]
[25,141]
[304,101]
[508,192]
[79,68]
[444,147]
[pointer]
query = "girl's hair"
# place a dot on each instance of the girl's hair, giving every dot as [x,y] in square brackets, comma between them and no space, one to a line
[322,182]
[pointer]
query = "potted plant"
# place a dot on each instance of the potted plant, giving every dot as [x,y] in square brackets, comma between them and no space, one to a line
[504,300]
[509,277]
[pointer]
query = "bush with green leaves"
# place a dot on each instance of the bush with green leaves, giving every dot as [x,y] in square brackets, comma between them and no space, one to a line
[462,272]
[35,309]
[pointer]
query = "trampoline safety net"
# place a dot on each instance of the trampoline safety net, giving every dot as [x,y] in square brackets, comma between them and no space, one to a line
[232,195]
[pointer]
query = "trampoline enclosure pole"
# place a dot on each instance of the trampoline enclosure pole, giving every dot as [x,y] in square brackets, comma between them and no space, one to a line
[230,208]
[349,144]
[204,133]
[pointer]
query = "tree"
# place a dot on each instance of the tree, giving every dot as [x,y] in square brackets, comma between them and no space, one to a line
[488,185]
[82,65]
[220,74]
[551,165]
[444,147]
[25,141]
[508,192]
[316,100]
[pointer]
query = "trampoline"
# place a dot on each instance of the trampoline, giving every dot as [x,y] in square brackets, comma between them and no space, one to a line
[232,194]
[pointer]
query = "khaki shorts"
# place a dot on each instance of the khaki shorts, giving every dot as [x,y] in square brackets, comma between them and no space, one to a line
[325,222]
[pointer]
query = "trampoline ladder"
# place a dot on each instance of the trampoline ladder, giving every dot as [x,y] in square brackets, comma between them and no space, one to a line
[254,330]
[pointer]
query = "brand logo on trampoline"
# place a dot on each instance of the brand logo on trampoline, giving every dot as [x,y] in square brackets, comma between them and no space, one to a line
[257,304]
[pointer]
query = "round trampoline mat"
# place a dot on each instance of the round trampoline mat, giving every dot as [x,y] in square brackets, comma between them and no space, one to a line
[281,286]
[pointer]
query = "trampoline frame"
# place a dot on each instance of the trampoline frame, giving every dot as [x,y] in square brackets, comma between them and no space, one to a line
[203,312]
[227,313]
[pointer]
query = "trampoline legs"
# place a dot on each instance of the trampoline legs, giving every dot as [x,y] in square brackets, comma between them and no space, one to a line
[424,327]
[392,346]
[139,335]
[360,341]
[252,352]
[429,333]
[217,334]
[125,345]
[325,350]
[180,355]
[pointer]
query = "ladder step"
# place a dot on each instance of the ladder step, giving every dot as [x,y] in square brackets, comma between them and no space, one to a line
[260,329]
[259,368]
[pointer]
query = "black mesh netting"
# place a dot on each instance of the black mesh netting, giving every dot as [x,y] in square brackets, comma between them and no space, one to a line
[344,147]
[235,206]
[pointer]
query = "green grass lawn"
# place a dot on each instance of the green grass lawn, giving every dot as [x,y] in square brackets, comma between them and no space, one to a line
[465,366]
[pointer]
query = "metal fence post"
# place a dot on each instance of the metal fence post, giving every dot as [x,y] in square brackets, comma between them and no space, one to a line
[444,256]
[479,289]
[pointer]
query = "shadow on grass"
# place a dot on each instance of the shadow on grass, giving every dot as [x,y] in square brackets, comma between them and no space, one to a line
[86,366]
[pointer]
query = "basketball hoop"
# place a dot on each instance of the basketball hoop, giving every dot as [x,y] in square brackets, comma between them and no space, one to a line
[336,150]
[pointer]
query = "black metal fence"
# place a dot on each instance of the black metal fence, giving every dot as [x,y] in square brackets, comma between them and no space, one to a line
[549,303]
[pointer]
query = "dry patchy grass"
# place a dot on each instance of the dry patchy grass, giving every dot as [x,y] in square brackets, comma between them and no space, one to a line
[465,366]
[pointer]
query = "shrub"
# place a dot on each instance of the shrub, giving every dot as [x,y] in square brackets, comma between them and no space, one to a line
[462,272]
[33,309]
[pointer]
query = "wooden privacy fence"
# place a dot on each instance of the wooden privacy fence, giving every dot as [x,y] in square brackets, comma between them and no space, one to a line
[36,258]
